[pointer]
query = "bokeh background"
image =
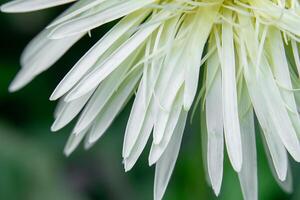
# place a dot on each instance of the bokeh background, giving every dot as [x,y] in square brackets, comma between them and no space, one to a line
[33,167]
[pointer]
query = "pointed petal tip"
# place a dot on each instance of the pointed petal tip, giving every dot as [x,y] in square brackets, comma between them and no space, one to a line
[69,149]
[216,189]
[54,96]
[8,8]
[126,169]
[3,8]
[153,157]
[127,166]
[88,145]
[59,92]
[92,138]
[15,86]
[125,153]
[156,139]
[237,166]
[282,176]
[297,156]
[54,127]
[158,193]
[79,128]
[22,78]
[187,106]
[11,7]
[67,152]
[151,161]
[216,184]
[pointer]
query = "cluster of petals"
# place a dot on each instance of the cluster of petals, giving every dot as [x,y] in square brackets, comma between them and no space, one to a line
[236,60]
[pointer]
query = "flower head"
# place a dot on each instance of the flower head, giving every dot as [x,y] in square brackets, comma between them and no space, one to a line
[249,52]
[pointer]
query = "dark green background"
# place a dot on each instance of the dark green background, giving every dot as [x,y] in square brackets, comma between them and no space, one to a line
[33,167]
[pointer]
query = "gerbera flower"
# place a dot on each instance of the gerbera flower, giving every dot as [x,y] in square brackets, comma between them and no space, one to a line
[249,52]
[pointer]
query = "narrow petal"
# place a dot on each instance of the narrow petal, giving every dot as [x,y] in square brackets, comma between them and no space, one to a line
[157,150]
[166,163]
[248,173]
[282,75]
[107,43]
[230,108]
[74,141]
[39,58]
[204,20]
[84,24]
[214,122]
[31,5]
[103,94]
[96,76]
[69,111]
[114,106]
[267,101]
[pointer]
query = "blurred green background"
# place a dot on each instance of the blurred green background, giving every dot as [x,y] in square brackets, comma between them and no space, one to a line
[33,167]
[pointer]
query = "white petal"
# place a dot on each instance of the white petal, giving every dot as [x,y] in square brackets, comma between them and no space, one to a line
[114,106]
[140,116]
[282,75]
[84,24]
[296,55]
[270,11]
[166,163]
[142,138]
[230,108]
[141,103]
[103,94]
[167,99]
[94,77]
[40,57]
[248,173]
[276,151]
[69,112]
[204,19]
[204,145]
[77,9]
[170,127]
[110,42]
[171,78]
[267,101]
[272,141]
[214,122]
[73,142]
[31,5]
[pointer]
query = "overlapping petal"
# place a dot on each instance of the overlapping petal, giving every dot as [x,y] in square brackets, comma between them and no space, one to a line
[155,53]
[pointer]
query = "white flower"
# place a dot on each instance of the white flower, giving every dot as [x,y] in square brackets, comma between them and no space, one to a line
[157,48]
